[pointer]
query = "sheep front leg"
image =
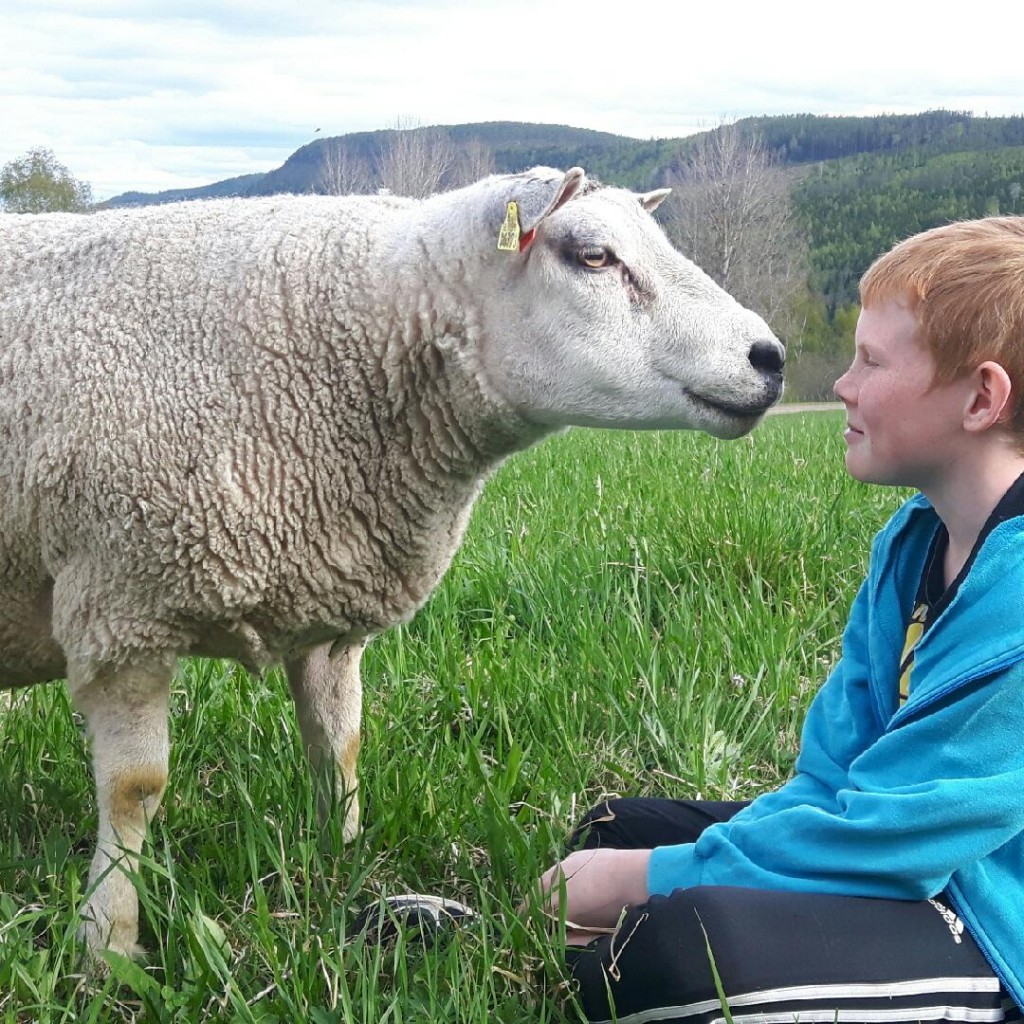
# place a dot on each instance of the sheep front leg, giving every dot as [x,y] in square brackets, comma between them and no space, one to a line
[126,714]
[328,697]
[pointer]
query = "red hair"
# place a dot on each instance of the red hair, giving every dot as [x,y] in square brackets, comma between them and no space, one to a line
[965,283]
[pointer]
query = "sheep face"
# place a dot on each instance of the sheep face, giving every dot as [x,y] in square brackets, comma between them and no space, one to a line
[601,322]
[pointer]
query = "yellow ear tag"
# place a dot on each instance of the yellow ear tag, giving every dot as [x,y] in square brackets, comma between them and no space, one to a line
[508,237]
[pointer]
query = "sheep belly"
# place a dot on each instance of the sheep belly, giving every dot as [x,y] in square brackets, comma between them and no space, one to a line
[199,560]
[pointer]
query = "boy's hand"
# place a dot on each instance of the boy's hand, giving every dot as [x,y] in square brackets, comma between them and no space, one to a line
[597,885]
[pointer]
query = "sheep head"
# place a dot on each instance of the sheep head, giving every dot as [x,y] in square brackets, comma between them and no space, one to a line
[598,321]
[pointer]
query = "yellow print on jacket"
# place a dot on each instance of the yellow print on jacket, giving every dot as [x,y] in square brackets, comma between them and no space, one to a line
[915,630]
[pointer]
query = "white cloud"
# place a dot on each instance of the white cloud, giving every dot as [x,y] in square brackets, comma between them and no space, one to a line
[150,94]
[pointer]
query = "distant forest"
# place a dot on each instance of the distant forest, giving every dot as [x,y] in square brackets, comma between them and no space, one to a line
[856,185]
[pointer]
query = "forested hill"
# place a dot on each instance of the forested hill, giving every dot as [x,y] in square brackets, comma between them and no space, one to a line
[802,138]
[854,209]
[508,146]
[513,146]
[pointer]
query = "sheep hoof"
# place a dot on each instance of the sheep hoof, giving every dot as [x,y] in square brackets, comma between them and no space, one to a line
[99,941]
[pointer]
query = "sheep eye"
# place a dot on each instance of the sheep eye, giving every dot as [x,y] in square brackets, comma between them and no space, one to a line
[595,259]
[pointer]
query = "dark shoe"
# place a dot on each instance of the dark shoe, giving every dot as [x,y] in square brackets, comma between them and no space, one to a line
[416,916]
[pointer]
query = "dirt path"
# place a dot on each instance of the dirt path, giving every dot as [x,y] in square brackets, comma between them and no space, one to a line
[778,410]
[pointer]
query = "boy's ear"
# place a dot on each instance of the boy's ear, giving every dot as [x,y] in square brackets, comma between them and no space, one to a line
[990,398]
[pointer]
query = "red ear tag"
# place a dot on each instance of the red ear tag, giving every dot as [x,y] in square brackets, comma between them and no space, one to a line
[525,240]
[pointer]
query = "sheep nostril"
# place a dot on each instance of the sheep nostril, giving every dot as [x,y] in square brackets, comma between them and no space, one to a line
[767,356]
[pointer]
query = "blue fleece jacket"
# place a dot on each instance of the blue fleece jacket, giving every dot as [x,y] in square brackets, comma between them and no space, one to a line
[903,803]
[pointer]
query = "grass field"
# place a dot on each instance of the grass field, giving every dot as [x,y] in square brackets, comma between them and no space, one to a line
[630,613]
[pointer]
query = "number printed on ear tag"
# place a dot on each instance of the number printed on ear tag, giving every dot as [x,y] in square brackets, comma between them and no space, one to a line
[508,237]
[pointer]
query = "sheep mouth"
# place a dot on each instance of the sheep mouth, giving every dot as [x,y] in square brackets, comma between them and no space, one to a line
[734,411]
[716,408]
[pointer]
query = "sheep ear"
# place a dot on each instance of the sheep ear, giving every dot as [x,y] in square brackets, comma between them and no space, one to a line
[558,194]
[534,196]
[650,201]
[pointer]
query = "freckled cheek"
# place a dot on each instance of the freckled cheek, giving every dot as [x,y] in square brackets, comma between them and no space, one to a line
[880,402]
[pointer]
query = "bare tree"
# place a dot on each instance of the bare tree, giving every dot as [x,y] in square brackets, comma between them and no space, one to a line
[731,214]
[342,172]
[416,161]
[474,161]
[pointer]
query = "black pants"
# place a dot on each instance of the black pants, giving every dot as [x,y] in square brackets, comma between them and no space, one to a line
[780,956]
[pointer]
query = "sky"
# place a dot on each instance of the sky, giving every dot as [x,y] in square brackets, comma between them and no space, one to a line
[156,94]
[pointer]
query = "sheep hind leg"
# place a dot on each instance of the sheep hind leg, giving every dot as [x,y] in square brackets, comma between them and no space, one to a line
[126,714]
[328,698]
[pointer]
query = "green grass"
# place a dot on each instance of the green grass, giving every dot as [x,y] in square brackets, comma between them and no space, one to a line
[630,613]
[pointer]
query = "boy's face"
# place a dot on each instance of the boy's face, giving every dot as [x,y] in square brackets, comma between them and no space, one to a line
[900,429]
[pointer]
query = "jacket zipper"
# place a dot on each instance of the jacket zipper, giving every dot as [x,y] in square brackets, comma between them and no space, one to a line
[911,708]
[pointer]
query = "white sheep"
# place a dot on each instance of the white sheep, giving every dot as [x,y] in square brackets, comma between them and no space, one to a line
[255,428]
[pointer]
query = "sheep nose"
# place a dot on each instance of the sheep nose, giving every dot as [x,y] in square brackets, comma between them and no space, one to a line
[767,356]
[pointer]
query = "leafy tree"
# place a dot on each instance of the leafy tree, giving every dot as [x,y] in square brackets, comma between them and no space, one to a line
[38,183]
[820,348]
